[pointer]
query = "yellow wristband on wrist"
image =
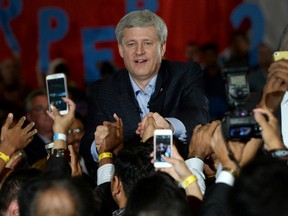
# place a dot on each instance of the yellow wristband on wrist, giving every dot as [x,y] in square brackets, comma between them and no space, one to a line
[4,157]
[189,180]
[105,155]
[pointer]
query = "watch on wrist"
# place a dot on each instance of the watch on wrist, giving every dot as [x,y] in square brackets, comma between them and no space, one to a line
[58,152]
[279,154]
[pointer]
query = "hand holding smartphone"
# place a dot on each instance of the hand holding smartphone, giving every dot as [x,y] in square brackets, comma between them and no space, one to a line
[163,139]
[57,89]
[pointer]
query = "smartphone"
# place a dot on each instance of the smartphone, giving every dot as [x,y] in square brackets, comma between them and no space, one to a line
[163,139]
[49,147]
[57,89]
[280,55]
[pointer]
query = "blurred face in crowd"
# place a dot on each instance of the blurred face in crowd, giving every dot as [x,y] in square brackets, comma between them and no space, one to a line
[265,56]
[142,52]
[9,71]
[192,53]
[75,134]
[39,106]
[240,45]
[210,57]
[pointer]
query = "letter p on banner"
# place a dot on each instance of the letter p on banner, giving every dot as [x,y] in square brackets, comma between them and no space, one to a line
[48,33]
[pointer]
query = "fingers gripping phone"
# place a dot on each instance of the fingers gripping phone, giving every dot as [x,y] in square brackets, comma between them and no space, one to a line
[57,89]
[280,55]
[163,139]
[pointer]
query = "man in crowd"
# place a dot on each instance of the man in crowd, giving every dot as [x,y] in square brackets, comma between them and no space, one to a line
[74,136]
[36,107]
[172,91]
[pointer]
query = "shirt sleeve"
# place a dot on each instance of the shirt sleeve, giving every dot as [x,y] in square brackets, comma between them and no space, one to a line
[196,166]
[284,115]
[105,173]
[94,151]
[179,128]
[226,178]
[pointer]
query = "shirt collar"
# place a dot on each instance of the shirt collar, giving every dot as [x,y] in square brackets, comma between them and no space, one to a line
[149,88]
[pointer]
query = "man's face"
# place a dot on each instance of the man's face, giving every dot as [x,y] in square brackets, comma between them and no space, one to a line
[39,106]
[75,134]
[142,52]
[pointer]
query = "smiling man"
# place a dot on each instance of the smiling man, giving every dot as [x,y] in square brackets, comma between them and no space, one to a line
[170,91]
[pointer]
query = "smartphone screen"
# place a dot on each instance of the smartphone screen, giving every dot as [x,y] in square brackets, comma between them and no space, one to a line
[56,88]
[162,146]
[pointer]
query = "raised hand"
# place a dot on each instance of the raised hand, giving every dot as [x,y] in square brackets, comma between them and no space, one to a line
[14,138]
[142,124]
[242,153]
[74,163]
[200,144]
[149,128]
[276,85]
[179,171]
[63,123]
[270,129]
[159,122]
[109,137]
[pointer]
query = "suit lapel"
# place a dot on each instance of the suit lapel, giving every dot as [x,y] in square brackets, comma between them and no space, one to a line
[157,101]
[128,105]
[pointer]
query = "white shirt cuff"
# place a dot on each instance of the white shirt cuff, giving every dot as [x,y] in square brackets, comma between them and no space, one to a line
[94,151]
[179,128]
[196,166]
[226,178]
[105,173]
[195,163]
[284,116]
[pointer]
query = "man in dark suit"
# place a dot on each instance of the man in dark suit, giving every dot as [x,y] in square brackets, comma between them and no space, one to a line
[170,91]
[36,106]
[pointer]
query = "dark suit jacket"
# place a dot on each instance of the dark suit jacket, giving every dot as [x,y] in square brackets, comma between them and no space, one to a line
[216,201]
[35,150]
[179,93]
[105,202]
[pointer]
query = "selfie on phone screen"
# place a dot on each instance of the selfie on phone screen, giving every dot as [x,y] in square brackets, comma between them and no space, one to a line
[163,147]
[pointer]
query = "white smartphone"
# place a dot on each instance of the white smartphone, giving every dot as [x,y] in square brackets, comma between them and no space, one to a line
[49,147]
[163,139]
[57,89]
[280,55]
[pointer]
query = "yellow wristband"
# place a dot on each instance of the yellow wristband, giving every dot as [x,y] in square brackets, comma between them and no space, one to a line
[189,180]
[4,157]
[105,155]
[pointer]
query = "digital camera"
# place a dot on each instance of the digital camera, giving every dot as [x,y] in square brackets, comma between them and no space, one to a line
[238,123]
